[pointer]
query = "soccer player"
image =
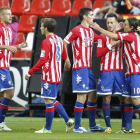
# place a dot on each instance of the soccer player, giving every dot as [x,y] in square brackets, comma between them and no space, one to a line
[6,83]
[131,87]
[83,82]
[52,50]
[111,76]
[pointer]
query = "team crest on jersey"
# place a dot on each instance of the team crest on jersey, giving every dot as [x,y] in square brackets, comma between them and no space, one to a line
[99,43]
[3,77]
[42,53]
[102,87]
[78,79]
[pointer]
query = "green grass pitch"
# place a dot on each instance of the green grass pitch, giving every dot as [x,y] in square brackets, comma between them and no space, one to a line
[23,129]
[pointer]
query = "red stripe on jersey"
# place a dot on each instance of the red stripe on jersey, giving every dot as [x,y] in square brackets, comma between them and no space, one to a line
[91,107]
[128,109]
[50,109]
[131,51]
[3,106]
[82,44]
[56,104]
[5,39]
[105,107]
[110,59]
[78,109]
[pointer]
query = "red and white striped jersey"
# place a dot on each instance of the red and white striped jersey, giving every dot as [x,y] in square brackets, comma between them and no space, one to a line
[131,52]
[111,59]
[52,50]
[5,39]
[82,39]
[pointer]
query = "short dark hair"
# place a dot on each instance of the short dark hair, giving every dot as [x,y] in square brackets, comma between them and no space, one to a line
[84,11]
[50,23]
[112,15]
[133,22]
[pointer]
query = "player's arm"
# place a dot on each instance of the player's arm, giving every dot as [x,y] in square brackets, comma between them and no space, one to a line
[43,59]
[106,33]
[10,48]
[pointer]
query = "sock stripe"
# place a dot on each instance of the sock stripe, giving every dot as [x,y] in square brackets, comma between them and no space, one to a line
[105,107]
[3,106]
[78,109]
[128,109]
[91,107]
[138,110]
[50,109]
[56,104]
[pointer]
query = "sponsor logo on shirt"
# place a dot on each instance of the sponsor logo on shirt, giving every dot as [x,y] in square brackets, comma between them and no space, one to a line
[42,53]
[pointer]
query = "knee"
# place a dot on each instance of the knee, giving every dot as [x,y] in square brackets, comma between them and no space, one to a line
[106,99]
[81,98]
[127,100]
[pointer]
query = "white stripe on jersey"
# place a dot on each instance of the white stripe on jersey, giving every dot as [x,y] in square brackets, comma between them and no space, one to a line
[6,63]
[106,57]
[129,59]
[117,60]
[88,49]
[83,46]
[52,64]
[138,41]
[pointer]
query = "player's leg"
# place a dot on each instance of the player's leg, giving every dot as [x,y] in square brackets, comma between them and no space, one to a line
[61,111]
[119,81]
[105,86]
[49,93]
[7,87]
[1,96]
[128,106]
[79,82]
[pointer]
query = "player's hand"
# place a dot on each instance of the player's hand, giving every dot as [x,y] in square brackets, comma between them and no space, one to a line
[119,26]
[113,42]
[26,77]
[23,45]
[67,65]
[13,49]
[95,26]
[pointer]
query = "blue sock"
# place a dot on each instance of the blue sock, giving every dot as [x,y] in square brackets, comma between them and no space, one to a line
[138,109]
[122,113]
[91,107]
[49,115]
[106,112]
[4,108]
[78,111]
[128,110]
[60,110]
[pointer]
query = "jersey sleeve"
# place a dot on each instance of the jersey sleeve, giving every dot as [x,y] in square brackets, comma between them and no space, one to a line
[126,37]
[96,37]
[64,53]
[71,36]
[45,47]
[102,48]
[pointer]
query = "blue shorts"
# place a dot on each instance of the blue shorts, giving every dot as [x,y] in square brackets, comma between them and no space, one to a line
[83,80]
[132,86]
[110,82]
[49,90]
[5,80]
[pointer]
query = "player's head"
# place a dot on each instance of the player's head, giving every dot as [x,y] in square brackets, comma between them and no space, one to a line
[5,15]
[131,24]
[86,13]
[111,22]
[48,24]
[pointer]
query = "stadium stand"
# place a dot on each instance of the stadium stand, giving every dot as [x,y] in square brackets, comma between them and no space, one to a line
[20,7]
[40,7]
[60,8]
[78,4]
[4,3]
[99,4]
[20,38]
[27,23]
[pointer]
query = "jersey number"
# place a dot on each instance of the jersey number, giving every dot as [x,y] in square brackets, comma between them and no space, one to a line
[58,53]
